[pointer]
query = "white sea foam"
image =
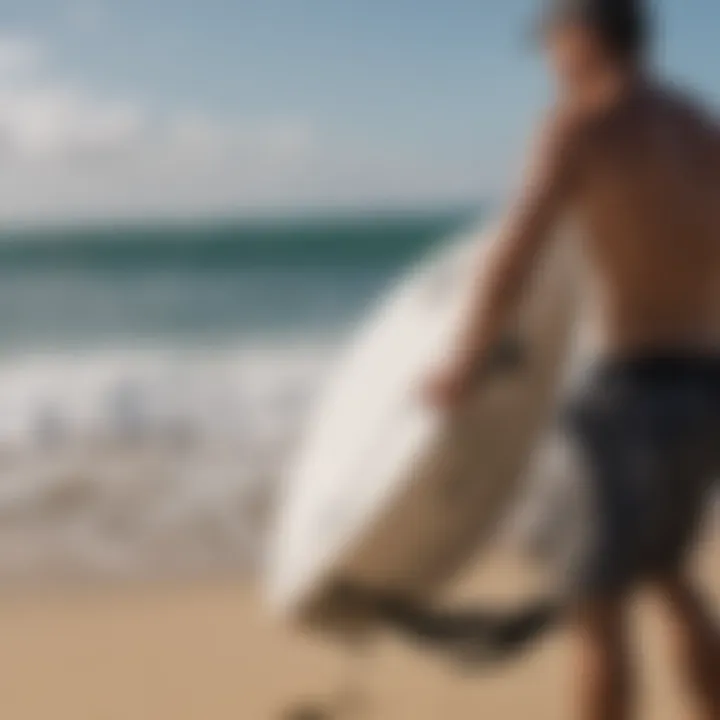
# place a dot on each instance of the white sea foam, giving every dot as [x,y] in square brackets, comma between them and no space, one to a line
[147,462]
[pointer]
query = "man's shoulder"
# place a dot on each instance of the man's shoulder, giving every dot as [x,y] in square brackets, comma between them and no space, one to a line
[565,130]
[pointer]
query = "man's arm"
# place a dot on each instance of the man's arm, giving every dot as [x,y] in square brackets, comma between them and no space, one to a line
[545,194]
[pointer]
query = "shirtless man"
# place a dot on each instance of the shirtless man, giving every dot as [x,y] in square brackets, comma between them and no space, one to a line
[637,164]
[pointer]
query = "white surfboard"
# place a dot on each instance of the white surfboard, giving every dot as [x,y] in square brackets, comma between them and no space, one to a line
[389,495]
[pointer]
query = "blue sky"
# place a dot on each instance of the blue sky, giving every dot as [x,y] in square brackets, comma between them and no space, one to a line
[137,107]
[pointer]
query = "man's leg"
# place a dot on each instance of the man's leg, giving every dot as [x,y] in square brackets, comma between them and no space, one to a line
[604,672]
[697,641]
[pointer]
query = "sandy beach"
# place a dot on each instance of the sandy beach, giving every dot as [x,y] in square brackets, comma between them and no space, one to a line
[211,651]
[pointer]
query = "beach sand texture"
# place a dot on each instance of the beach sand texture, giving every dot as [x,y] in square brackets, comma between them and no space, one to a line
[211,652]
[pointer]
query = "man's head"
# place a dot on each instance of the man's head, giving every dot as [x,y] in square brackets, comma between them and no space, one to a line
[585,37]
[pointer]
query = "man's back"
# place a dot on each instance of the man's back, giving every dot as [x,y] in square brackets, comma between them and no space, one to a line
[649,173]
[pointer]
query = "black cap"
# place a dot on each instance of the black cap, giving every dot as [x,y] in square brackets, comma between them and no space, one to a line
[621,23]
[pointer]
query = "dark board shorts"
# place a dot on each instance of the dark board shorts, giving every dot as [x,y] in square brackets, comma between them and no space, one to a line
[647,432]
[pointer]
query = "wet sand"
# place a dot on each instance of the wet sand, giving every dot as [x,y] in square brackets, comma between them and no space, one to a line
[210,652]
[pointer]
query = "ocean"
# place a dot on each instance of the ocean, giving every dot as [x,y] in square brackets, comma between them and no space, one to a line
[154,380]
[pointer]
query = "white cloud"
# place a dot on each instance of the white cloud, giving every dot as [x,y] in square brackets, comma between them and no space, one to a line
[66,151]
[45,118]
[46,121]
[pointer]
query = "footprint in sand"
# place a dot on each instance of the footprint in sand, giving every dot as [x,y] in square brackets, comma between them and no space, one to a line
[345,709]
[308,712]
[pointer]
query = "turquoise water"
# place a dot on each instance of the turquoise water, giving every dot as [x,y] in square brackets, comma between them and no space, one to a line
[203,283]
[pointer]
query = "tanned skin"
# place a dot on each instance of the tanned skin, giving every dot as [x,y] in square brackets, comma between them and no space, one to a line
[637,165]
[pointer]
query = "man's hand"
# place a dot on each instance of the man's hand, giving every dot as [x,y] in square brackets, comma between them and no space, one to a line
[450,388]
